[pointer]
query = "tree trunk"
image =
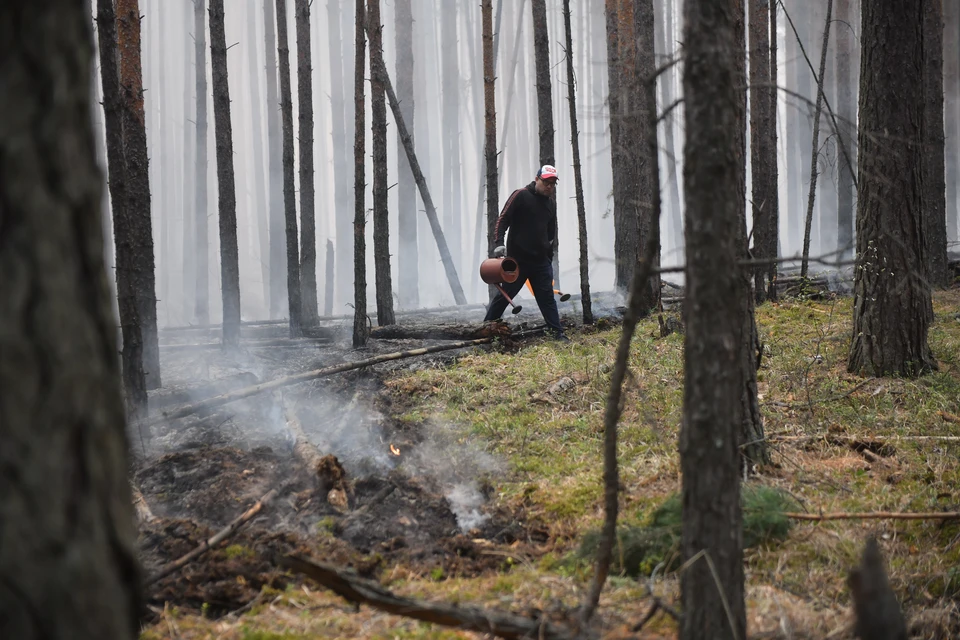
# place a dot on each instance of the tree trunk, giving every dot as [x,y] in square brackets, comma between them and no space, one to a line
[762,157]
[408,271]
[585,301]
[773,226]
[201,228]
[227,194]
[451,126]
[892,309]
[674,219]
[814,151]
[381,222]
[259,163]
[932,176]
[294,306]
[490,125]
[710,434]
[360,329]
[329,282]
[131,356]
[308,226]
[68,562]
[846,136]
[137,189]
[951,110]
[278,253]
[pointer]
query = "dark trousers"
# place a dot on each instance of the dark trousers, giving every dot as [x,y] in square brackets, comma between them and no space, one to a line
[541,279]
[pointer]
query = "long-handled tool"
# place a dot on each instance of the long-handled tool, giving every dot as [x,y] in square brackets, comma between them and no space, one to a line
[563,296]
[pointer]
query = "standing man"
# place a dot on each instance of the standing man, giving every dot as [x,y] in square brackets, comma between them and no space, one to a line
[531,216]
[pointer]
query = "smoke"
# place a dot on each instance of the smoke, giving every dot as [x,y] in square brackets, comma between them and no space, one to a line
[465,502]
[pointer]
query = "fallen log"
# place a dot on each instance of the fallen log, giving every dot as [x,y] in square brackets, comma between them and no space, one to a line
[140,506]
[306,376]
[355,589]
[444,331]
[210,543]
[875,515]
[325,469]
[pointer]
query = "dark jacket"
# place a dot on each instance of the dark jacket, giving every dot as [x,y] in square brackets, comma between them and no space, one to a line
[532,221]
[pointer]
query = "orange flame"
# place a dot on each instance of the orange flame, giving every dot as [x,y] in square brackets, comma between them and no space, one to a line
[395,451]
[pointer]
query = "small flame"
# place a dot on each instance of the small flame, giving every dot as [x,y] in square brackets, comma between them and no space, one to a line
[395,451]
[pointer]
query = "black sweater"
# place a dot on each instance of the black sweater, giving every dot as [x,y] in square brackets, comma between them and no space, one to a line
[532,221]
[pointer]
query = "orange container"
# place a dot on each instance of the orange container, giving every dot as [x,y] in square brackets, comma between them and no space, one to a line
[497,270]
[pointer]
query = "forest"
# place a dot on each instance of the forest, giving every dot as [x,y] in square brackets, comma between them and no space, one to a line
[254,381]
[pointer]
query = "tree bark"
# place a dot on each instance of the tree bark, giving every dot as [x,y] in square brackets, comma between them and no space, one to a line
[892,310]
[408,267]
[202,249]
[712,408]
[137,190]
[585,301]
[68,561]
[381,222]
[308,226]
[951,109]
[846,135]
[932,176]
[541,50]
[360,329]
[814,151]
[278,253]
[490,126]
[294,303]
[762,157]
[131,356]
[227,193]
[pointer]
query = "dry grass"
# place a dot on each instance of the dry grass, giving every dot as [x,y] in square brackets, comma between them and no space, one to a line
[549,429]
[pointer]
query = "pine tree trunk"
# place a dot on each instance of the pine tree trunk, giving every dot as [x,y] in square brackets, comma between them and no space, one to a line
[408,285]
[541,50]
[450,82]
[201,226]
[666,46]
[131,356]
[490,124]
[361,330]
[381,223]
[294,306]
[761,158]
[585,300]
[773,228]
[846,116]
[308,225]
[260,211]
[815,146]
[710,434]
[892,310]
[278,251]
[932,177]
[226,189]
[341,165]
[137,178]
[188,180]
[68,561]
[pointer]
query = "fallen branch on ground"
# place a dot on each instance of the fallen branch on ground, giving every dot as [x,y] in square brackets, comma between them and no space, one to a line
[445,331]
[210,543]
[876,515]
[853,440]
[306,376]
[357,590]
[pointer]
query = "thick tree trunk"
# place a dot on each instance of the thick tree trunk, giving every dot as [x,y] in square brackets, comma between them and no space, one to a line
[360,329]
[131,356]
[585,301]
[541,50]
[712,408]
[450,83]
[892,309]
[490,125]
[227,193]
[846,136]
[278,252]
[294,305]
[408,269]
[68,561]
[137,178]
[932,176]
[308,226]
[202,248]
[381,222]
[762,158]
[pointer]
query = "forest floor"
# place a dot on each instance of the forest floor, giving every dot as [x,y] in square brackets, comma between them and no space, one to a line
[494,458]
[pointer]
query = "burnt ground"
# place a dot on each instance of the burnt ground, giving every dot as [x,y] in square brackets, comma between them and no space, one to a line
[417,496]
